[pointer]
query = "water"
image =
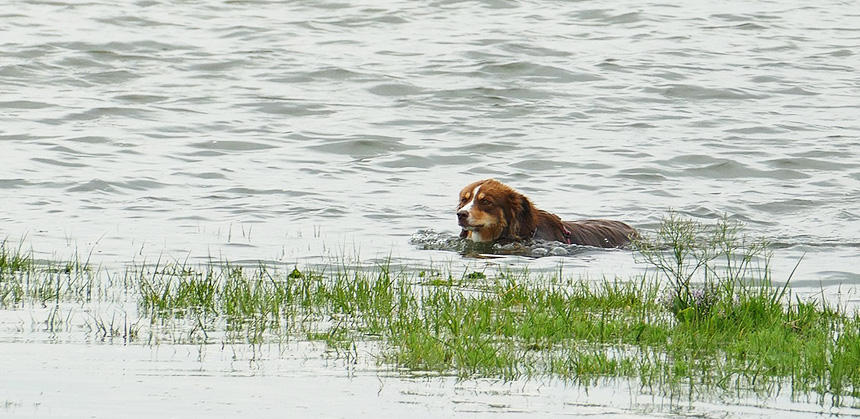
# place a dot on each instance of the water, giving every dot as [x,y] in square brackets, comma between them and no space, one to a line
[136,382]
[299,131]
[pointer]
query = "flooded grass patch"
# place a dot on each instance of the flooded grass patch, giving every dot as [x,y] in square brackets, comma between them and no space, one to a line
[14,259]
[707,320]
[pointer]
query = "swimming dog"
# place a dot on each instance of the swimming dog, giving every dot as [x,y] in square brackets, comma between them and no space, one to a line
[491,211]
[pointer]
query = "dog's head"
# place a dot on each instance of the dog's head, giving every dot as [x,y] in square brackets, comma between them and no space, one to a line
[490,210]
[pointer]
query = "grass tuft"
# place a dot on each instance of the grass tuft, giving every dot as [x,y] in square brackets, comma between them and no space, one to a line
[14,260]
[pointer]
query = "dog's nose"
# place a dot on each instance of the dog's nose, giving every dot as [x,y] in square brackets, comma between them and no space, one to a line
[462,214]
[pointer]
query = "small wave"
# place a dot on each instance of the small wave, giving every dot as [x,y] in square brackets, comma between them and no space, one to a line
[695,165]
[500,94]
[362,146]
[338,74]
[252,191]
[729,169]
[24,104]
[93,185]
[523,69]
[799,91]
[806,163]
[688,91]
[605,15]
[112,187]
[231,145]
[14,183]
[115,46]
[57,162]
[106,112]
[217,66]
[395,89]
[544,164]
[139,98]
[111,77]
[283,108]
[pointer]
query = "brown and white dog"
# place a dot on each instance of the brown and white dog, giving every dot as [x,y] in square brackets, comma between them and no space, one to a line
[490,210]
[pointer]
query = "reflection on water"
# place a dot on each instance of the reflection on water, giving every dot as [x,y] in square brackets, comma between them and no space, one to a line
[290,380]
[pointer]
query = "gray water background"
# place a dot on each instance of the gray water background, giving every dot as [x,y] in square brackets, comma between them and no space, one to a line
[299,131]
[281,131]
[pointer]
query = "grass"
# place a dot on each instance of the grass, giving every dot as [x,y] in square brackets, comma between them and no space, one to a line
[707,319]
[13,260]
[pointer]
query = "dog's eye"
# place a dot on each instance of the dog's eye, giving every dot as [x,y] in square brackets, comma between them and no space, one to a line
[486,202]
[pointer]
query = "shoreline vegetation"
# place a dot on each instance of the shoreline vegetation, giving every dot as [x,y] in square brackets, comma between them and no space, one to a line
[705,319]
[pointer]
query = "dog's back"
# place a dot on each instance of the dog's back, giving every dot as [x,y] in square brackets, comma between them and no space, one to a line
[600,233]
[597,233]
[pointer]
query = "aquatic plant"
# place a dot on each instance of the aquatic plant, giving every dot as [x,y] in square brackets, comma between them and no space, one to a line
[705,265]
[725,327]
[22,278]
[511,324]
[13,260]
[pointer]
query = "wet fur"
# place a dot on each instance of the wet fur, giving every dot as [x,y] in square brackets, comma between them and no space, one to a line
[499,213]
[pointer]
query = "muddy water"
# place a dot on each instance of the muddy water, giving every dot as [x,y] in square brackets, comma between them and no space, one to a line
[307,131]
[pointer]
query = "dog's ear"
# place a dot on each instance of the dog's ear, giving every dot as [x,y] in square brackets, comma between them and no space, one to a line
[521,217]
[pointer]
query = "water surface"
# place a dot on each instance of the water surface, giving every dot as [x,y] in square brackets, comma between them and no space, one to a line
[302,131]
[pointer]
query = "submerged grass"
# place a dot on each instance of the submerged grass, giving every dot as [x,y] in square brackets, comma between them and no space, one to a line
[13,260]
[514,325]
[708,318]
[23,279]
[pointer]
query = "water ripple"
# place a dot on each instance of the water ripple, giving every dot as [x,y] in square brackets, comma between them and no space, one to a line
[163,121]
